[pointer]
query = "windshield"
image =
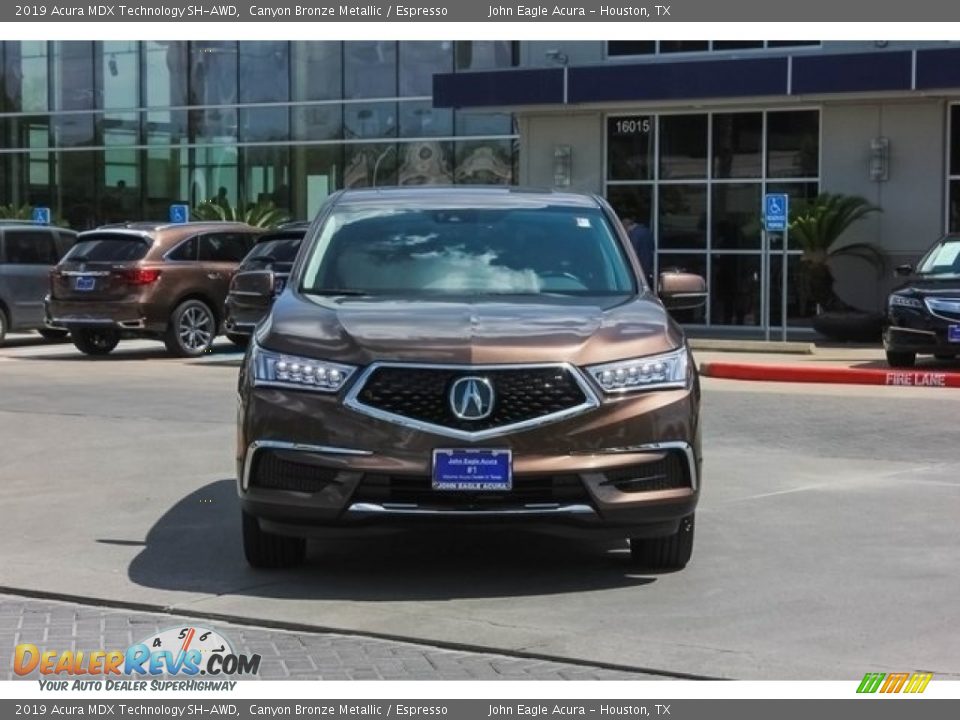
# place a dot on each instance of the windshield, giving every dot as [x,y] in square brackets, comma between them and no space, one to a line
[107,248]
[282,250]
[943,258]
[366,249]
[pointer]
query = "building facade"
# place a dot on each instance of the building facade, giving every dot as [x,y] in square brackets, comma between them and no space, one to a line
[687,136]
[118,130]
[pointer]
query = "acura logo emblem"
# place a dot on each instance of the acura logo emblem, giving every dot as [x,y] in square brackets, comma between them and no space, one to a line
[471,398]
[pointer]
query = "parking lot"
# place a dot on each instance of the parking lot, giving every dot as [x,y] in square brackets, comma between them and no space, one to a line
[827,541]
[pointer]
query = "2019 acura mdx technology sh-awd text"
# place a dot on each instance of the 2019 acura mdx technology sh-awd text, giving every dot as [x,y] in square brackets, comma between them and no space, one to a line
[469,355]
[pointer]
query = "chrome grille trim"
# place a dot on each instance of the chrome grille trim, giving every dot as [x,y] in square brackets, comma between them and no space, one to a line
[353,402]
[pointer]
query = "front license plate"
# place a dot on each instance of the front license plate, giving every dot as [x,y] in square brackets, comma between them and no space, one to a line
[84,283]
[466,470]
[953,333]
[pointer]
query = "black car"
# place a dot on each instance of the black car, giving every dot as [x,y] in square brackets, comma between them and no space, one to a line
[268,263]
[924,314]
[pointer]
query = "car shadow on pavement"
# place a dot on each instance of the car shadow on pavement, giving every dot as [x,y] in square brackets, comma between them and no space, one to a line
[195,547]
[155,351]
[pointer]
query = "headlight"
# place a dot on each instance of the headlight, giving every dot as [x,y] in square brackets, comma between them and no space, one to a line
[656,372]
[905,301]
[270,368]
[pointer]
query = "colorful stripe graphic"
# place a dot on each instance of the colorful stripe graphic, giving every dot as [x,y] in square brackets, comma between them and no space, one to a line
[894,682]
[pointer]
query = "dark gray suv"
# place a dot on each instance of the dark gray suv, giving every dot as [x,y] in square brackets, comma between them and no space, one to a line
[27,254]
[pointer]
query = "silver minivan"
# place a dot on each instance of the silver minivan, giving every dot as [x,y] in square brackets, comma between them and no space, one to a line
[27,254]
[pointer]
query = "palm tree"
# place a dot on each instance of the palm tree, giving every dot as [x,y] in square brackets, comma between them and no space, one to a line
[262,214]
[817,226]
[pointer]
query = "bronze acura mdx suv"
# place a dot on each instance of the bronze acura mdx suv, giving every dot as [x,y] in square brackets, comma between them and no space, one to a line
[467,355]
[148,280]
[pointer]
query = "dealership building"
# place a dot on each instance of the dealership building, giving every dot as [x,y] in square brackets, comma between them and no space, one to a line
[685,136]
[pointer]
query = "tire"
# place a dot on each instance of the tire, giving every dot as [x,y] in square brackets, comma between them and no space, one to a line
[95,341]
[665,553]
[52,334]
[192,329]
[241,341]
[898,359]
[268,550]
[3,324]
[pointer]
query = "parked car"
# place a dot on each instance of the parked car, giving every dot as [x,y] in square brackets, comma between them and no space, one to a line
[147,280]
[27,254]
[270,261]
[923,314]
[470,355]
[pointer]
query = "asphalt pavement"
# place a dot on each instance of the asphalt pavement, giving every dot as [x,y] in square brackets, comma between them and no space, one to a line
[827,541]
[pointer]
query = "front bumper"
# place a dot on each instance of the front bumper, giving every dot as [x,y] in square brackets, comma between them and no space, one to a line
[919,331]
[589,460]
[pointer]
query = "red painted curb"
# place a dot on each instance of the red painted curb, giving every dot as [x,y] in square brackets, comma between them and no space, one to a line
[845,375]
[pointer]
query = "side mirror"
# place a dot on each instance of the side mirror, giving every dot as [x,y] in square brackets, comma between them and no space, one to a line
[682,290]
[904,269]
[253,285]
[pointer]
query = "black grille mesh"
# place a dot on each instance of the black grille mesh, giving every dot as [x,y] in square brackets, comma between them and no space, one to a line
[272,472]
[560,489]
[424,394]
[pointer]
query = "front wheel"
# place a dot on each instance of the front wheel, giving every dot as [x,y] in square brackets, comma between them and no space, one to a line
[95,341]
[898,359]
[268,550]
[192,329]
[665,553]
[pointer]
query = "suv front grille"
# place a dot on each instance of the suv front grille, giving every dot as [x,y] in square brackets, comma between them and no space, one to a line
[520,394]
[417,490]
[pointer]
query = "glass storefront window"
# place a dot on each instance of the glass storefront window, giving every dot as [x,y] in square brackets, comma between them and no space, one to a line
[484,162]
[793,143]
[213,174]
[630,147]
[684,46]
[683,146]
[483,123]
[75,185]
[165,180]
[264,67]
[425,163]
[682,220]
[165,74]
[318,170]
[72,76]
[735,290]
[118,73]
[631,47]
[26,73]
[737,145]
[370,165]
[264,124]
[317,70]
[213,81]
[485,54]
[373,120]
[955,140]
[633,201]
[370,69]
[421,119]
[266,175]
[317,122]
[735,214]
[419,62]
[74,130]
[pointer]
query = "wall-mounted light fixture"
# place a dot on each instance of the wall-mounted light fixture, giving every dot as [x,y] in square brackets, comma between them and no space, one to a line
[562,165]
[880,159]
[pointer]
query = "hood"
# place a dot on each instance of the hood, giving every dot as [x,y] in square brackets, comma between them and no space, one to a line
[934,285]
[465,330]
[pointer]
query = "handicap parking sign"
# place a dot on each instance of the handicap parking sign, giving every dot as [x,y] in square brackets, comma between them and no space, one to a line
[41,215]
[179,213]
[775,209]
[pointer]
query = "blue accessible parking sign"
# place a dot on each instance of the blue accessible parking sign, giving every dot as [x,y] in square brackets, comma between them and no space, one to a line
[41,215]
[179,213]
[775,209]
